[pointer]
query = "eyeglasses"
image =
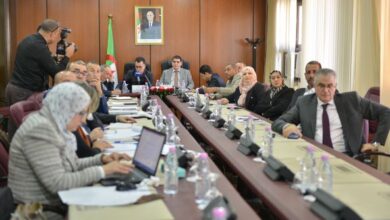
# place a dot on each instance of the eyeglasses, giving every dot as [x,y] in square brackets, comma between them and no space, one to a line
[79,72]
[83,113]
[323,86]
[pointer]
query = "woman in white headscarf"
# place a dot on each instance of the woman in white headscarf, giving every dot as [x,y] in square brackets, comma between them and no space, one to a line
[42,154]
[249,92]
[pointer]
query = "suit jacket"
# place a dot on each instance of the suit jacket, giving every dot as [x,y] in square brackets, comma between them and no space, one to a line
[230,87]
[352,109]
[184,75]
[131,79]
[216,81]
[299,92]
[273,108]
[253,97]
[41,164]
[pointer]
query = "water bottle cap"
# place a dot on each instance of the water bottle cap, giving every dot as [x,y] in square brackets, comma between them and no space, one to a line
[203,155]
[219,212]
[170,115]
[310,148]
[231,106]
[250,116]
[268,128]
[172,149]
[325,157]
[219,102]
[207,95]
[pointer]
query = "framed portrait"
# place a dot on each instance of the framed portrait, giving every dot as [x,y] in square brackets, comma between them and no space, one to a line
[149,25]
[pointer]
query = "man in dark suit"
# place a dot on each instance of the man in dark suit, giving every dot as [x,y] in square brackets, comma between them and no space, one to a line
[334,119]
[310,71]
[212,79]
[138,76]
[150,29]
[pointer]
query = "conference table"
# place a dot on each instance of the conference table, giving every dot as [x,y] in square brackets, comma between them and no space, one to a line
[279,197]
[182,205]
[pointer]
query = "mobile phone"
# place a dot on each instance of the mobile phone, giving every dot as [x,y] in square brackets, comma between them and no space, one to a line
[125,186]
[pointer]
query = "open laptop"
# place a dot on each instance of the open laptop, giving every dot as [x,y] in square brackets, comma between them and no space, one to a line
[146,157]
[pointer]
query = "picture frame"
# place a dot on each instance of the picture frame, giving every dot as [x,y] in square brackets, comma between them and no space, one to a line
[149,25]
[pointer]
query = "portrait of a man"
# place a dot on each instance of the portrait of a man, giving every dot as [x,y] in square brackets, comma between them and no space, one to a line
[149,25]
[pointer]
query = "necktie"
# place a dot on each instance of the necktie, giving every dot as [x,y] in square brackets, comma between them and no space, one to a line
[176,79]
[150,24]
[326,139]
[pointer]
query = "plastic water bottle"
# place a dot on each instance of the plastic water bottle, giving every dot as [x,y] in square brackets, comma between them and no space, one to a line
[308,170]
[206,106]
[171,128]
[158,83]
[268,141]
[147,88]
[218,110]
[325,177]
[125,89]
[170,172]
[202,182]
[231,117]
[144,96]
[219,213]
[251,126]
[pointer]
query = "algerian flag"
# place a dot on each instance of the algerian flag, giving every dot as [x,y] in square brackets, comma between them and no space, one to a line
[138,24]
[110,57]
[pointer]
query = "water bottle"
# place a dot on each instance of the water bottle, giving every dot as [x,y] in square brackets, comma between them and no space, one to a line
[170,172]
[231,117]
[202,182]
[308,171]
[268,141]
[325,177]
[218,110]
[125,89]
[147,88]
[157,83]
[206,106]
[219,213]
[171,131]
[251,125]
[144,96]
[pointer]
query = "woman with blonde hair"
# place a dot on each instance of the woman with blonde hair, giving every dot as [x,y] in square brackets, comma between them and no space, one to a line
[249,92]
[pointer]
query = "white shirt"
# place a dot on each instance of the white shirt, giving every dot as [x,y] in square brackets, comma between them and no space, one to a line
[336,129]
[309,91]
[178,77]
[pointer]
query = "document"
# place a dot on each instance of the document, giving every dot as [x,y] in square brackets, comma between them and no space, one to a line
[102,196]
[120,135]
[127,148]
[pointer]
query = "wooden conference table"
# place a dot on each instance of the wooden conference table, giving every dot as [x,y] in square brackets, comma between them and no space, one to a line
[182,205]
[285,202]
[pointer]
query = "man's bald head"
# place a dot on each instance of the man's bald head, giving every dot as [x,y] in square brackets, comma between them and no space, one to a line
[64,76]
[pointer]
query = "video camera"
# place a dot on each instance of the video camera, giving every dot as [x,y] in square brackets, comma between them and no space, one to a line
[63,44]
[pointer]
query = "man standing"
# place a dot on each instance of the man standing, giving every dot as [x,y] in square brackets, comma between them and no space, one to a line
[234,78]
[310,71]
[175,75]
[34,63]
[334,119]
[138,76]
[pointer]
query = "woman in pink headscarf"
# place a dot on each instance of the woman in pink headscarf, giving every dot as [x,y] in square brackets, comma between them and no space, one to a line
[249,93]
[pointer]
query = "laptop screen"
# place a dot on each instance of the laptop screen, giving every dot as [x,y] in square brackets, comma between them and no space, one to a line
[148,152]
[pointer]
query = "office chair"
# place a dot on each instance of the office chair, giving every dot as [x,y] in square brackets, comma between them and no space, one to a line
[369,127]
[168,64]
[21,109]
[3,165]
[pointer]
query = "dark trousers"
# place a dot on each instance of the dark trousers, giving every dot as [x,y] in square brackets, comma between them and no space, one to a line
[14,94]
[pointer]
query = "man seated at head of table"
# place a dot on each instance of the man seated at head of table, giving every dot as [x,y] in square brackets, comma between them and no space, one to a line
[234,79]
[249,93]
[334,119]
[277,98]
[42,154]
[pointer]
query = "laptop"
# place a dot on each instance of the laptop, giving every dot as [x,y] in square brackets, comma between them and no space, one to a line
[146,157]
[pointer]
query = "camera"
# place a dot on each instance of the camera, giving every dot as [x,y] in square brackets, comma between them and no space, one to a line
[63,44]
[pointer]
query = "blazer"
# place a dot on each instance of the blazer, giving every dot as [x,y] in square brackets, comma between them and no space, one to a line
[184,75]
[41,164]
[299,92]
[231,86]
[216,81]
[273,108]
[351,108]
[255,94]
[131,79]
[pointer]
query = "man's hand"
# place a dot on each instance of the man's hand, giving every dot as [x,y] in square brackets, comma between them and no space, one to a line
[116,167]
[101,144]
[116,92]
[95,83]
[69,51]
[224,101]
[125,119]
[291,128]
[115,157]
[368,147]
[211,89]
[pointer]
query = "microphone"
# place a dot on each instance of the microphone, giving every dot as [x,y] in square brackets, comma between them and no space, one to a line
[147,79]
[138,74]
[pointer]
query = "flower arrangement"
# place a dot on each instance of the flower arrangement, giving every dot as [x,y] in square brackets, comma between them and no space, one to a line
[161,91]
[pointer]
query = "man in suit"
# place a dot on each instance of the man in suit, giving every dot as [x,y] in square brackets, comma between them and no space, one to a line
[150,29]
[108,81]
[139,75]
[310,71]
[176,74]
[334,119]
[212,79]
[234,78]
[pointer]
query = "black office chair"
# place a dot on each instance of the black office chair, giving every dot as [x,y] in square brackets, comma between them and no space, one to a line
[131,66]
[371,158]
[168,64]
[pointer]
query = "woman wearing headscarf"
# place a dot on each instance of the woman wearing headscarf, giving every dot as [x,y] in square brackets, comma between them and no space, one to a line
[42,154]
[249,92]
[276,99]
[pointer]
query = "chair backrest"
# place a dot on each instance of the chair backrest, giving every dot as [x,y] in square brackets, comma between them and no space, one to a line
[6,203]
[3,165]
[21,109]
[131,66]
[168,64]
[369,127]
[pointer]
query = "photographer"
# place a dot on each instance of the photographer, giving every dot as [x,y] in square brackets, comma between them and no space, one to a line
[34,63]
